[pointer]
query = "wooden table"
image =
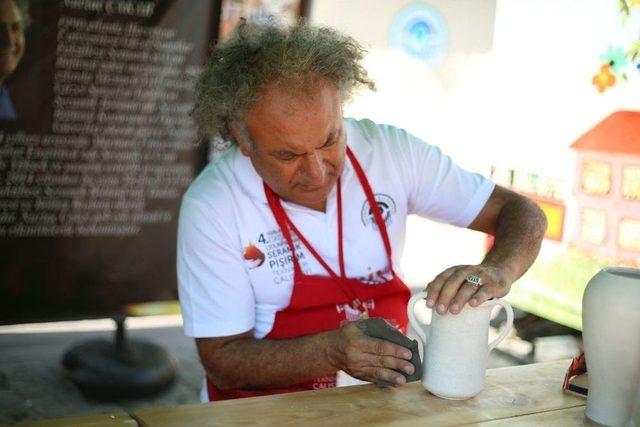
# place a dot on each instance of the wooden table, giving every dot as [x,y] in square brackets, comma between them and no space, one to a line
[520,395]
[119,419]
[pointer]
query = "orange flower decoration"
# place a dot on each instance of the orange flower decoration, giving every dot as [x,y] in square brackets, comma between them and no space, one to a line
[604,78]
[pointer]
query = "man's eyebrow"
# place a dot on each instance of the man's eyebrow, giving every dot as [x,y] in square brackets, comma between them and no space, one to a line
[283,152]
[332,135]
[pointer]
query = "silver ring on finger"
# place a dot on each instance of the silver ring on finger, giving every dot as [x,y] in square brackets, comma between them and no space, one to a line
[474,280]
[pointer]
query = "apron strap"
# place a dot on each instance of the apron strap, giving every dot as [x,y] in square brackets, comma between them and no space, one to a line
[315,254]
[340,250]
[281,217]
[372,204]
[286,224]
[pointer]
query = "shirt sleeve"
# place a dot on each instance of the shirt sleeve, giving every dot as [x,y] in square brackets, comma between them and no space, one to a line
[213,286]
[437,188]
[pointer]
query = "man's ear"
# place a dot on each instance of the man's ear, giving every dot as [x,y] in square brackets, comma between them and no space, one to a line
[237,135]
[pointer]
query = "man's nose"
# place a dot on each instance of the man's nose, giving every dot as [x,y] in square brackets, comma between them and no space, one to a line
[315,168]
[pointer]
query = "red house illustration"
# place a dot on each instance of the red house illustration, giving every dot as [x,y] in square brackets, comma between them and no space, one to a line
[607,188]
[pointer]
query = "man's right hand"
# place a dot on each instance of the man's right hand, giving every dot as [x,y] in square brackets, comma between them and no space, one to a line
[366,358]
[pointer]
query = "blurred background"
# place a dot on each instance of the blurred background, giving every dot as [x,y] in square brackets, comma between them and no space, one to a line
[96,149]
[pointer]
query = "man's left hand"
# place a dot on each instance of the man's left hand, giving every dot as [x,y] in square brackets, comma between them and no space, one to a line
[450,289]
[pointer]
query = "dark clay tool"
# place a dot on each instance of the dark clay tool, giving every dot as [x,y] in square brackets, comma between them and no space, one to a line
[379,328]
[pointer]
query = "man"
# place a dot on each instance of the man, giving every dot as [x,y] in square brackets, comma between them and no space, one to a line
[12,24]
[279,245]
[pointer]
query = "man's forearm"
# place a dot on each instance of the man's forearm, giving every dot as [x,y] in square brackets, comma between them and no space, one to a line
[255,364]
[519,232]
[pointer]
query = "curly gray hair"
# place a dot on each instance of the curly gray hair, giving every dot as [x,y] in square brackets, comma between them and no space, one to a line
[259,55]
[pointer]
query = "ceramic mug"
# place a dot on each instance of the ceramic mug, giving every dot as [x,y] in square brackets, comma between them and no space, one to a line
[456,347]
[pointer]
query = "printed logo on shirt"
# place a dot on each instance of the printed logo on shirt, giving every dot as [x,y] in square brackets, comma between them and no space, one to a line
[274,252]
[253,257]
[386,206]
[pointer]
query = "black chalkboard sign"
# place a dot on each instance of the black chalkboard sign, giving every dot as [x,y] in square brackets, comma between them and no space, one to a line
[96,149]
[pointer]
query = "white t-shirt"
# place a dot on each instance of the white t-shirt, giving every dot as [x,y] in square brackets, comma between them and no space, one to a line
[234,266]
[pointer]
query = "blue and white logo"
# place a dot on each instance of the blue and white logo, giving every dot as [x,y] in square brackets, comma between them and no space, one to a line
[421,32]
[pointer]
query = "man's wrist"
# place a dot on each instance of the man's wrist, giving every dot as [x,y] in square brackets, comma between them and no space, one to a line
[508,272]
[331,349]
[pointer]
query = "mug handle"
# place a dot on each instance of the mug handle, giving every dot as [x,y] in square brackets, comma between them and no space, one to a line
[507,307]
[421,329]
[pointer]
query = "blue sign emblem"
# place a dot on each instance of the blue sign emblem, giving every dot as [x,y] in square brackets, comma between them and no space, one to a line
[421,32]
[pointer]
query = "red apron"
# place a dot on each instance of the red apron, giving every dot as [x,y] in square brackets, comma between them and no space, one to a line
[322,303]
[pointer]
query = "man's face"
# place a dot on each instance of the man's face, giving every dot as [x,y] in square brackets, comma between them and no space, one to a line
[11,37]
[298,142]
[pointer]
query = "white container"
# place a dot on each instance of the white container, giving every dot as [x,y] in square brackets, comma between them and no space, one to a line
[456,348]
[611,334]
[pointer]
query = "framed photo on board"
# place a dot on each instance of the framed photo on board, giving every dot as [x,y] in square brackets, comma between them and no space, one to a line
[231,11]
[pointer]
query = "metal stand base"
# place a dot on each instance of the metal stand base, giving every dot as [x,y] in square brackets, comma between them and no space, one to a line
[120,369]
